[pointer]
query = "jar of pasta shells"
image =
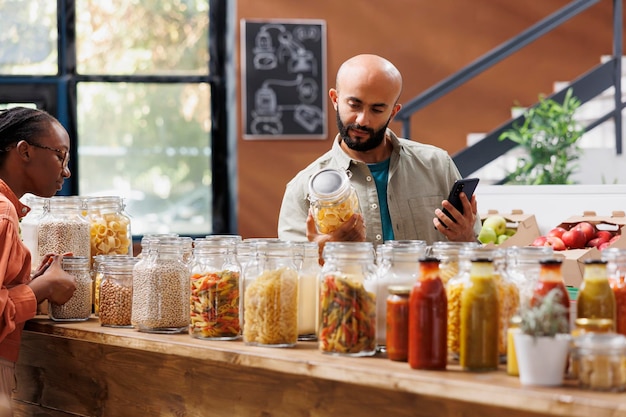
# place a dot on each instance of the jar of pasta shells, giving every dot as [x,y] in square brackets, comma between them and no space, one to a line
[333,199]
[63,228]
[214,303]
[78,307]
[270,295]
[507,291]
[116,291]
[109,226]
[348,299]
[161,287]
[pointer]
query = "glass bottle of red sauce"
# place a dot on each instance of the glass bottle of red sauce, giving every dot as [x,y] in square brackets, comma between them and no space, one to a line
[479,318]
[428,318]
[550,277]
[397,334]
[596,300]
[616,271]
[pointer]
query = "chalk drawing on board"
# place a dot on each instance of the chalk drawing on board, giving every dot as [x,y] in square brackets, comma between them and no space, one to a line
[284,80]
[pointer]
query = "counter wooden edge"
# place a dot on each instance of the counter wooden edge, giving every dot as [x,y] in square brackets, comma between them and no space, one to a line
[492,389]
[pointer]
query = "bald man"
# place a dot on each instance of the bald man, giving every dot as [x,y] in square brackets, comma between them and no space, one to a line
[402,185]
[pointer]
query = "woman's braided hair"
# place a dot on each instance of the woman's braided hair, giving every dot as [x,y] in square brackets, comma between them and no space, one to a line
[21,123]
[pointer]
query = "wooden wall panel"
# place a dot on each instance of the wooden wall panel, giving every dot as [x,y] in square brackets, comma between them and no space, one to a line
[428,41]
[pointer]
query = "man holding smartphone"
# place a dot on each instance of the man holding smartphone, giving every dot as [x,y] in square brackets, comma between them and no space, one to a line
[402,185]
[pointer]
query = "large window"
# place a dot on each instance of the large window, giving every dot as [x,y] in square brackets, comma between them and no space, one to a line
[135,83]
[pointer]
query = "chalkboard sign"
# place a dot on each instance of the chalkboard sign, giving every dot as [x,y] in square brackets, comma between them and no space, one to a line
[284,79]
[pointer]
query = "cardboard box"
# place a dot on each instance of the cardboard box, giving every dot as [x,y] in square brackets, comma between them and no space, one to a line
[525,224]
[574,259]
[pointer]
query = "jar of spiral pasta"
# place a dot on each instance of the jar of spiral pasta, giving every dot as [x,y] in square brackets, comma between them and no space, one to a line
[214,304]
[78,307]
[348,299]
[63,228]
[333,199]
[270,295]
[109,226]
[116,291]
[161,287]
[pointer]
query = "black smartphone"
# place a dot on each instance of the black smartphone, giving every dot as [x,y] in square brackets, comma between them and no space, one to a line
[466,185]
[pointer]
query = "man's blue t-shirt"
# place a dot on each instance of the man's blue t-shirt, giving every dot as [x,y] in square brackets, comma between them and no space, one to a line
[380,172]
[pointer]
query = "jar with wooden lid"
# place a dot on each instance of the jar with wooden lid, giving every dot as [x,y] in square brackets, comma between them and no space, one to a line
[78,307]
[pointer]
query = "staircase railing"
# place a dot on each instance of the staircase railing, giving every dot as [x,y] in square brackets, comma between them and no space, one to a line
[585,88]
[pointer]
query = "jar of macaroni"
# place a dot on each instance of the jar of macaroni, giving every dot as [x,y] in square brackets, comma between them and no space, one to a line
[109,226]
[78,307]
[333,199]
[63,228]
[348,299]
[161,287]
[116,292]
[215,278]
[270,295]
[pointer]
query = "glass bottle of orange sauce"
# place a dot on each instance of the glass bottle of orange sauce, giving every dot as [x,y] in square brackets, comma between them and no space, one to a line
[428,318]
[550,277]
[479,318]
[596,299]
[397,334]
[616,272]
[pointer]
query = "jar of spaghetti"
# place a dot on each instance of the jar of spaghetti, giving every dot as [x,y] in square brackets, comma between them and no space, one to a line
[333,199]
[348,299]
[214,303]
[308,290]
[270,295]
[397,320]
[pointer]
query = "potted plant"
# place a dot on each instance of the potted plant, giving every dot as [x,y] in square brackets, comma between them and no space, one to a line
[542,344]
[549,136]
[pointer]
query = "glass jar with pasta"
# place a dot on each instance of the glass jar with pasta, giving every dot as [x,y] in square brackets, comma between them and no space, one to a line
[348,299]
[214,304]
[270,295]
[333,199]
[448,255]
[109,226]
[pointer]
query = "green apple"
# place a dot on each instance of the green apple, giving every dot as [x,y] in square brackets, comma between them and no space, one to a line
[502,238]
[510,231]
[497,223]
[487,235]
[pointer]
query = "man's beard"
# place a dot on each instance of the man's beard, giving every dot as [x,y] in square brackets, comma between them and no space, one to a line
[375,139]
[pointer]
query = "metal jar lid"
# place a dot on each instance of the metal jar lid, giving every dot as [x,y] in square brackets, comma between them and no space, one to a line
[328,184]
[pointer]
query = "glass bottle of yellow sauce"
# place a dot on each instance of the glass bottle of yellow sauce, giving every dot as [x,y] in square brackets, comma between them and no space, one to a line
[479,318]
[596,299]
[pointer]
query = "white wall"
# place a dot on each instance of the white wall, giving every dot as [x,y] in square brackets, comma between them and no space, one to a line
[552,204]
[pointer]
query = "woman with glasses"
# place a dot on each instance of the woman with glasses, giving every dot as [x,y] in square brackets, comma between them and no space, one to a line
[33,159]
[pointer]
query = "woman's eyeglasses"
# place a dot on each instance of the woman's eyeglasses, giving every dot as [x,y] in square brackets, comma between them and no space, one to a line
[63,154]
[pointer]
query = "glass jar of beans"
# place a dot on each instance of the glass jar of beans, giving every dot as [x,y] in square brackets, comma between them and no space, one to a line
[77,308]
[116,291]
[63,228]
[161,286]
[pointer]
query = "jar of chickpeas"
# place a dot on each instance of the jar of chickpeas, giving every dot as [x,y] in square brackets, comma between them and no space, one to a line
[116,292]
[333,199]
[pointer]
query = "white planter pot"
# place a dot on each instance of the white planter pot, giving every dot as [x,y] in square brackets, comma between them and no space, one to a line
[541,360]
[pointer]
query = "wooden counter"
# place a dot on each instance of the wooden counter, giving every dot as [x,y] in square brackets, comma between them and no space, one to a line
[83,369]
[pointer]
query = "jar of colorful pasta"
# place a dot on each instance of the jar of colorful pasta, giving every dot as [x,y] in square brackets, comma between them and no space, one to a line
[333,199]
[270,295]
[214,303]
[348,299]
